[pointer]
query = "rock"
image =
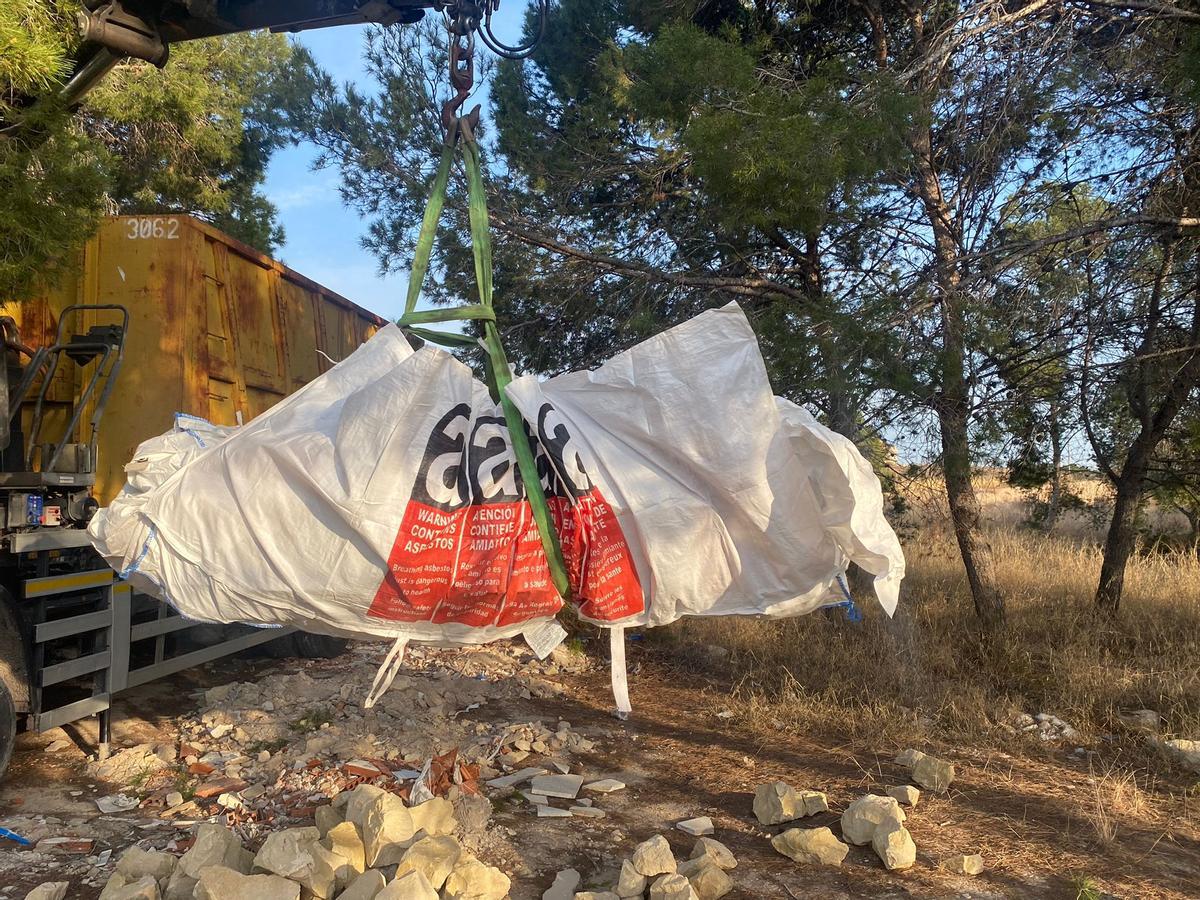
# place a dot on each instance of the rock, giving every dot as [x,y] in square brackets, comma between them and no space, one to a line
[387,829]
[865,814]
[180,887]
[296,853]
[654,857]
[357,801]
[631,883]
[709,880]
[1185,751]
[136,862]
[905,794]
[433,857]
[586,812]
[144,888]
[433,817]
[963,864]
[131,764]
[326,817]
[545,811]
[776,802]
[909,758]
[672,887]
[596,895]
[365,887]
[221,883]
[214,846]
[696,827]
[409,886]
[507,781]
[933,774]
[472,880]
[716,851]
[605,786]
[811,846]
[814,802]
[894,845]
[345,841]
[563,786]
[114,884]
[473,814]
[1140,720]
[564,886]
[49,890]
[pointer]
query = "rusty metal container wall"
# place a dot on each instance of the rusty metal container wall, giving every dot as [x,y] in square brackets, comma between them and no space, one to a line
[216,330]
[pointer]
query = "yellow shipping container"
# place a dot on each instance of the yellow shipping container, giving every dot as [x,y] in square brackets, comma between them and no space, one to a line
[216,329]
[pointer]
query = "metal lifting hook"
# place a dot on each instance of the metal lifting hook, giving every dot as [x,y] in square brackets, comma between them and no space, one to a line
[465,18]
[462,79]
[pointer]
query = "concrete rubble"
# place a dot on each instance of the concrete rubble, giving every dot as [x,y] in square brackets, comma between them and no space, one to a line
[285,788]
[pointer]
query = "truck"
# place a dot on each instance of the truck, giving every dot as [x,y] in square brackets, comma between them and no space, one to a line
[164,315]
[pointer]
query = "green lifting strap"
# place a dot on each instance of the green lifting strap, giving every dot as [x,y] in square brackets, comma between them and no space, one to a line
[498,373]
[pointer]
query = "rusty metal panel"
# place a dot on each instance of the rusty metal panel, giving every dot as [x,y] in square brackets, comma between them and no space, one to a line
[216,330]
[301,332]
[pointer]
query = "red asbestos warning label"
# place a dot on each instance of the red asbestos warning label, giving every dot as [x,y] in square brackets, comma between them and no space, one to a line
[468,550]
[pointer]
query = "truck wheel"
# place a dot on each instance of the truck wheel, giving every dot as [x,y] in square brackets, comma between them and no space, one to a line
[8,727]
[319,646]
[306,646]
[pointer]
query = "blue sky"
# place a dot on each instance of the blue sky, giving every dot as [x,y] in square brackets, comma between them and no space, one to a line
[322,235]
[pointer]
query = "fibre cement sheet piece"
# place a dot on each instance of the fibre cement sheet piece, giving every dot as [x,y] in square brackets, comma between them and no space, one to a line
[383,498]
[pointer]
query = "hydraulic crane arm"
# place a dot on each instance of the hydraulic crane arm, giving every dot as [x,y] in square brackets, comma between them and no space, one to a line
[145,29]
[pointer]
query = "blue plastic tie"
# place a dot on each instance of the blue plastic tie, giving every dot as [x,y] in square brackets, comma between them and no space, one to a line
[183,415]
[13,836]
[853,613]
[133,566]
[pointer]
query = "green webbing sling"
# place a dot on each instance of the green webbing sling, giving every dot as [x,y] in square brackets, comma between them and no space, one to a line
[499,375]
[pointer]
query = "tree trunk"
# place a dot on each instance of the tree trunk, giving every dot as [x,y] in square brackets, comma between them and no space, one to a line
[1118,545]
[1055,505]
[953,403]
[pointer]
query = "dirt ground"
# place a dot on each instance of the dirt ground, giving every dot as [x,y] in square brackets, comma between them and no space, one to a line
[681,755]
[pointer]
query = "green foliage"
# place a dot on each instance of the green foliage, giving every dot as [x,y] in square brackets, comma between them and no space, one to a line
[769,150]
[34,43]
[194,137]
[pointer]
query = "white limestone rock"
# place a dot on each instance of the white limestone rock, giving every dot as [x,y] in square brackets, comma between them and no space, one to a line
[654,857]
[963,864]
[365,887]
[933,774]
[906,795]
[894,845]
[563,888]
[716,851]
[867,813]
[672,887]
[222,883]
[434,857]
[812,846]
[296,853]
[473,880]
[631,882]
[387,829]
[412,885]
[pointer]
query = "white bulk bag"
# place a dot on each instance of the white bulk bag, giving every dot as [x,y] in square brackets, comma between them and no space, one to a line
[383,499]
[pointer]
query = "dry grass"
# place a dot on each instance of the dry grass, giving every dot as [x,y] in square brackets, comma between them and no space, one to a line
[1116,798]
[929,673]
